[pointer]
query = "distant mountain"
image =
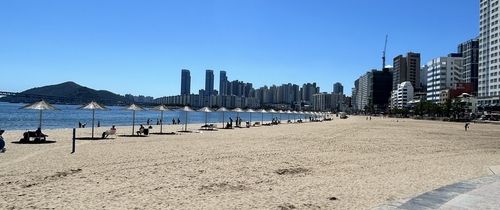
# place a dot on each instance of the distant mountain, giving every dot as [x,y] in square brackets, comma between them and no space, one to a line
[67,92]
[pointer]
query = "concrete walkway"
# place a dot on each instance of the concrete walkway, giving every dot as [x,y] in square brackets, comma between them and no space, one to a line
[482,193]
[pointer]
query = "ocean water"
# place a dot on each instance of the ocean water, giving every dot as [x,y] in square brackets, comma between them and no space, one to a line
[12,117]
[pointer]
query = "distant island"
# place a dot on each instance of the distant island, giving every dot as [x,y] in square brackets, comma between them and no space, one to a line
[67,93]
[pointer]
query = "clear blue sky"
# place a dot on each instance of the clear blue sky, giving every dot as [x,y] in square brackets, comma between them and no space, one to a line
[140,47]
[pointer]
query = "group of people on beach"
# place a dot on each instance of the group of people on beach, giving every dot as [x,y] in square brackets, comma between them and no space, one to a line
[176,122]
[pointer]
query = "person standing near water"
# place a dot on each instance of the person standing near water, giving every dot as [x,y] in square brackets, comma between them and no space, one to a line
[2,142]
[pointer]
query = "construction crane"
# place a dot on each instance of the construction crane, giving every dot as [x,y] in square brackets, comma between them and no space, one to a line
[383,53]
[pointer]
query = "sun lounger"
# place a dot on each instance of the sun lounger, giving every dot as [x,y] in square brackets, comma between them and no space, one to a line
[109,132]
[209,127]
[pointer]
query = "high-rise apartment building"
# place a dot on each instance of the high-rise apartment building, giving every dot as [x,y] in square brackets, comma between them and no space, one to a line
[308,90]
[469,50]
[443,73]
[406,69]
[209,83]
[489,57]
[374,90]
[402,96]
[338,88]
[223,83]
[185,82]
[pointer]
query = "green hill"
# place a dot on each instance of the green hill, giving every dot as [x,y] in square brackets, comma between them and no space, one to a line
[67,92]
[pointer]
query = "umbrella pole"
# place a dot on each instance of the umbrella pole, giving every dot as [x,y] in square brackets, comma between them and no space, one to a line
[133,121]
[222,119]
[40,124]
[206,120]
[250,119]
[186,123]
[93,119]
[161,122]
[262,118]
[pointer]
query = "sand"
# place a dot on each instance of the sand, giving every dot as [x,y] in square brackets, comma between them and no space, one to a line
[342,164]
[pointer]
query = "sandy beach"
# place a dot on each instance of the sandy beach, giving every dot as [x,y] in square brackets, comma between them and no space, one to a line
[341,164]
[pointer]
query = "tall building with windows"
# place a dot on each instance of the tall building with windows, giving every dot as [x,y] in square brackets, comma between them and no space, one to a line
[489,57]
[402,95]
[406,69]
[443,74]
[223,82]
[338,88]
[469,50]
[209,83]
[185,82]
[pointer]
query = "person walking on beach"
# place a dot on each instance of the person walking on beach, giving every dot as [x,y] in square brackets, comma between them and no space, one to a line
[2,142]
[178,121]
[147,122]
[466,126]
[173,121]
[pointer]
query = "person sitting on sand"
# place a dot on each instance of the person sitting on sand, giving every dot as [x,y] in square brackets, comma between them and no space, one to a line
[141,130]
[2,142]
[39,133]
[111,131]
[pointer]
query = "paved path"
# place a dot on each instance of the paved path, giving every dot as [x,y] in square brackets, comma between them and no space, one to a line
[482,193]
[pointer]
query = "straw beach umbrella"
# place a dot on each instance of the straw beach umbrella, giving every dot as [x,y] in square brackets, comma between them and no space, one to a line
[206,110]
[302,115]
[93,106]
[238,111]
[280,112]
[272,111]
[186,109]
[41,105]
[161,108]
[288,112]
[223,110]
[134,108]
[294,115]
[262,111]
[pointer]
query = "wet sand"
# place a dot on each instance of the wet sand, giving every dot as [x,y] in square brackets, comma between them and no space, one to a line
[342,164]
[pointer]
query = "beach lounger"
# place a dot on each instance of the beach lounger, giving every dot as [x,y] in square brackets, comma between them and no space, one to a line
[109,132]
[209,127]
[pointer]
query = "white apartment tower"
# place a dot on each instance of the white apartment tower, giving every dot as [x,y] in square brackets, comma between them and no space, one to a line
[443,73]
[402,95]
[489,57]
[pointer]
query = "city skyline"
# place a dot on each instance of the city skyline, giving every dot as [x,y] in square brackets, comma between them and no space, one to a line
[107,44]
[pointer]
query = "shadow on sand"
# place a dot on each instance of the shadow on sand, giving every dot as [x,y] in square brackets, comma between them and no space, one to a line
[95,138]
[34,142]
[171,133]
[132,136]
